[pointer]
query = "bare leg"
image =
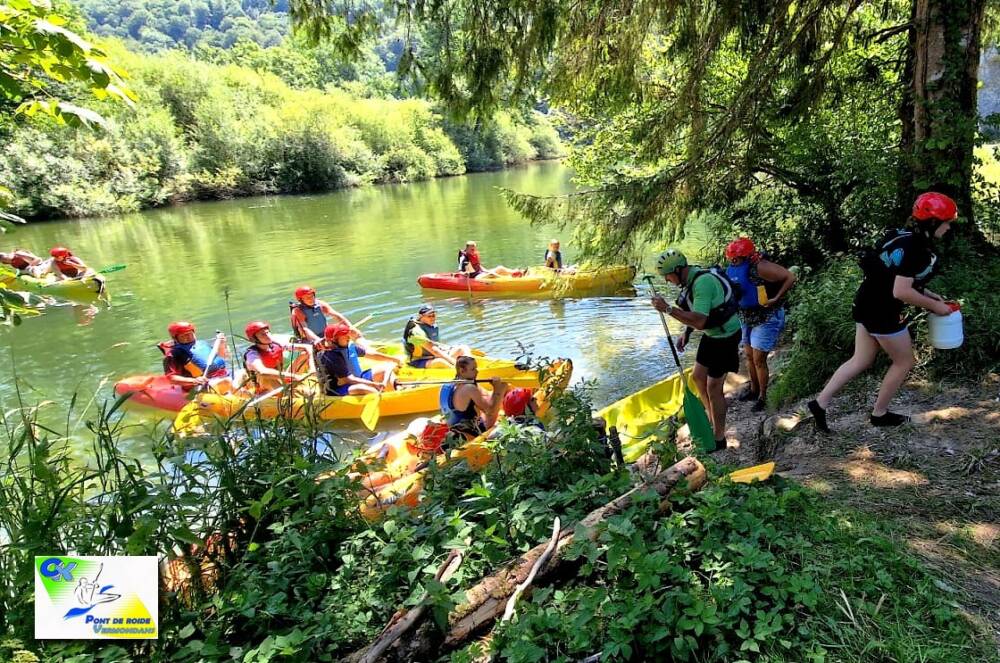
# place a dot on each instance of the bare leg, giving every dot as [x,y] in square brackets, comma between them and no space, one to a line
[900,351]
[748,352]
[759,362]
[865,350]
[718,411]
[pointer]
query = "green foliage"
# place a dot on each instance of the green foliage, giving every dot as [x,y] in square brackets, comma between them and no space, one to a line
[41,59]
[210,131]
[741,573]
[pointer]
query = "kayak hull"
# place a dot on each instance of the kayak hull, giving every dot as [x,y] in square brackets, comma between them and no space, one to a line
[638,417]
[393,472]
[85,290]
[537,281]
[153,391]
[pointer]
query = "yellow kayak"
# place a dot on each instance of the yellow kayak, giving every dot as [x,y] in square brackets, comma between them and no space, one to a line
[307,400]
[393,472]
[536,281]
[88,289]
[489,367]
[639,416]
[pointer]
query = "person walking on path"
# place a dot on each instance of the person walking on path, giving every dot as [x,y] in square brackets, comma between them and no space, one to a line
[895,274]
[706,303]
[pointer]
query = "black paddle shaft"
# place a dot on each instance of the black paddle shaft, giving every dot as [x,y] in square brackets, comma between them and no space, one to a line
[670,339]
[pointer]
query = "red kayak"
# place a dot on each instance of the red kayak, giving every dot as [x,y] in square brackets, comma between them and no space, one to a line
[537,280]
[153,391]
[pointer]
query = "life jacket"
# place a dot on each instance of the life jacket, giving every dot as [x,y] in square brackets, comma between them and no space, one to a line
[193,358]
[350,353]
[431,331]
[555,254]
[70,268]
[315,320]
[453,417]
[721,313]
[272,357]
[469,258]
[18,261]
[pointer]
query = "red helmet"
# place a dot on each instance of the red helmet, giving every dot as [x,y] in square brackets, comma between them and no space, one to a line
[333,331]
[254,328]
[304,290]
[741,248]
[60,252]
[175,329]
[516,401]
[933,206]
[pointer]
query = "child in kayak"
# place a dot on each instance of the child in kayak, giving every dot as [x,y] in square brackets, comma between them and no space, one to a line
[340,369]
[470,263]
[420,340]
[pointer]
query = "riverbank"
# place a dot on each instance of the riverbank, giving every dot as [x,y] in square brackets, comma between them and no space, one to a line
[203,131]
[934,485]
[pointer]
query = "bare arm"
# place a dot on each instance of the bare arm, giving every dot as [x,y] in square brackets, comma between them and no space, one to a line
[775,273]
[339,318]
[902,289]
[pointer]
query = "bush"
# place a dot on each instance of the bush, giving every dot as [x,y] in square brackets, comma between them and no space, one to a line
[210,131]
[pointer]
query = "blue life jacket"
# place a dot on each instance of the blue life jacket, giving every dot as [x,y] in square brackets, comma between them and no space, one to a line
[315,320]
[350,353]
[446,399]
[194,358]
[746,277]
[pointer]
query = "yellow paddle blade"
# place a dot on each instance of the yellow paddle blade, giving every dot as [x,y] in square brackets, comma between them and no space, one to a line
[371,411]
[188,420]
[761,472]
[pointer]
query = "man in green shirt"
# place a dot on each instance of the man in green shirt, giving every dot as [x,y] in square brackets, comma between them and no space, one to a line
[706,303]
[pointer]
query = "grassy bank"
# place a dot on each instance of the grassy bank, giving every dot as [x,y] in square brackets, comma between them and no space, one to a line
[204,131]
[731,573]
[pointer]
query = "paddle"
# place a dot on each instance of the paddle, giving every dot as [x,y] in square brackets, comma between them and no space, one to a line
[519,378]
[110,269]
[694,411]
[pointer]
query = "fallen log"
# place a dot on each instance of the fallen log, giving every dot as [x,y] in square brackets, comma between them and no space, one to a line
[486,601]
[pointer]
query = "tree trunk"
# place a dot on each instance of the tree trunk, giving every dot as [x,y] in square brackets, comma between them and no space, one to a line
[939,110]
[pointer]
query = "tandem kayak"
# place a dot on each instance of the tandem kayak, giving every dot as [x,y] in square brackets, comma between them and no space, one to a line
[308,401]
[88,289]
[394,471]
[157,391]
[537,281]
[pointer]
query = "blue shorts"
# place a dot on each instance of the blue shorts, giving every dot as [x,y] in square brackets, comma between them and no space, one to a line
[420,363]
[764,337]
[343,389]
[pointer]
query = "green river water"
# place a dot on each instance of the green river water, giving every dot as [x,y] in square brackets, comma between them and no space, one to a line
[361,249]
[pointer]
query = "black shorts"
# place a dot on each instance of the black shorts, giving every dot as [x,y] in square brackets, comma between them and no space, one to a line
[720,355]
[878,315]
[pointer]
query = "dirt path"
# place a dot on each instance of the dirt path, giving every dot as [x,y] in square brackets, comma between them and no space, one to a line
[937,479]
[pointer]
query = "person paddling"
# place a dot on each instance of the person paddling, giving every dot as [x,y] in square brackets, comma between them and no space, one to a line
[706,303]
[310,316]
[340,367]
[468,408]
[264,359]
[762,314]
[21,259]
[64,265]
[553,256]
[420,340]
[186,359]
[895,274]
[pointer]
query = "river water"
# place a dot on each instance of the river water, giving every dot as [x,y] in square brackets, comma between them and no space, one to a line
[362,250]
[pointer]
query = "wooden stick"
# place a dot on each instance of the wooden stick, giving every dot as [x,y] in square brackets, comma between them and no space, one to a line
[509,612]
[402,621]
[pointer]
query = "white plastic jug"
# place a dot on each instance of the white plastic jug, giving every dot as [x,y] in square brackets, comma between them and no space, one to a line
[946,330]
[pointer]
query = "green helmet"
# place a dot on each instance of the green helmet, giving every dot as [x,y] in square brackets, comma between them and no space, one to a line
[670,261]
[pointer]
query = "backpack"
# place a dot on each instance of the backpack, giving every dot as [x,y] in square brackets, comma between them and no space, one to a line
[720,314]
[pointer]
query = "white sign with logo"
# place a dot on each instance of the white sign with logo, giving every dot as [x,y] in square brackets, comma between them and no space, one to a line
[93,598]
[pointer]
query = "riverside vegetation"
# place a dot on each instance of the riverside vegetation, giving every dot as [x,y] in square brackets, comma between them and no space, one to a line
[733,572]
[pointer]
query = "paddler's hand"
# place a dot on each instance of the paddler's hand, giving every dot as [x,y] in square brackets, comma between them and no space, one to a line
[681,343]
[661,305]
[943,308]
[499,385]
